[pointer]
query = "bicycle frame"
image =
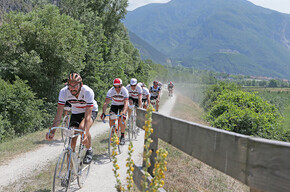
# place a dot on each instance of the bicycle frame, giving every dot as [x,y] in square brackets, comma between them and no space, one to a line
[132,129]
[114,129]
[69,157]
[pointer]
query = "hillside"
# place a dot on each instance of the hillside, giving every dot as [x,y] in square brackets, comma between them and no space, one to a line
[232,36]
[147,51]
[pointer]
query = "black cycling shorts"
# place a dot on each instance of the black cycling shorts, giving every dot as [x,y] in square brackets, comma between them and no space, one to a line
[76,119]
[116,108]
[135,101]
[144,100]
[153,97]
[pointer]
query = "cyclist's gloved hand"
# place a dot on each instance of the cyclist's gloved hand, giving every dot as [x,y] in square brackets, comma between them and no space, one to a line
[49,136]
[124,117]
[103,116]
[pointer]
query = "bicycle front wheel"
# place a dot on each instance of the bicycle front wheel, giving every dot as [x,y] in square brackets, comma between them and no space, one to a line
[110,142]
[62,174]
[83,169]
[133,128]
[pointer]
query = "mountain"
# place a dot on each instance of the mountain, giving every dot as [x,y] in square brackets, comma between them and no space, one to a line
[147,51]
[232,36]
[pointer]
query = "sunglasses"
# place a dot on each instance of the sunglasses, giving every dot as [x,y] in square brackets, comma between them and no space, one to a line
[73,86]
[118,86]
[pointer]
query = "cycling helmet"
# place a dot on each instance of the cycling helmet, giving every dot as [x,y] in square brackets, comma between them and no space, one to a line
[133,81]
[117,81]
[141,84]
[74,77]
[170,82]
[155,82]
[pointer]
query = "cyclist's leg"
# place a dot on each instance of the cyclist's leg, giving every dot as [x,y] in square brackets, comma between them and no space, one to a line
[130,104]
[123,127]
[74,123]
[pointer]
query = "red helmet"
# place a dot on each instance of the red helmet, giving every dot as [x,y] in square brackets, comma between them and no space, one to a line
[117,81]
[155,82]
[74,77]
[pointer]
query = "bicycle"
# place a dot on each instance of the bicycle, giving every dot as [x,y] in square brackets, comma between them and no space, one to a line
[133,131]
[70,164]
[170,92]
[114,129]
[65,120]
[153,103]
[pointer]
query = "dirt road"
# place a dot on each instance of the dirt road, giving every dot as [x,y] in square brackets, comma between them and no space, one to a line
[101,175]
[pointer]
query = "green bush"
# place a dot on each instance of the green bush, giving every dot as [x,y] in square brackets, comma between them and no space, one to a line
[19,109]
[248,114]
[212,92]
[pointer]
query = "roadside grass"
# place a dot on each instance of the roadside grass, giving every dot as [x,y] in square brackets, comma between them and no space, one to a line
[17,146]
[185,173]
[41,181]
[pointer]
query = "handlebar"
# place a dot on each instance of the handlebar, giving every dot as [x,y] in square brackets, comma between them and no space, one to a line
[69,129]
[117,115]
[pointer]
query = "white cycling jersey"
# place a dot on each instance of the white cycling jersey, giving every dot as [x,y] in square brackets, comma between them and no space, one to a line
[145,92]
[85,99]
[154,91]
[134,93]
[118,98]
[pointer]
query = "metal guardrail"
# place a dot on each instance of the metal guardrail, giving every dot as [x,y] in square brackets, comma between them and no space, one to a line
[261,164]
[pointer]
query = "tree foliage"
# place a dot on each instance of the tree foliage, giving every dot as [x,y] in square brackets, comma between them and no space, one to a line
[42,47]
[20,111]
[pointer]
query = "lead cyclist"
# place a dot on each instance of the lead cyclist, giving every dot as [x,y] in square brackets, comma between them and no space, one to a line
[84,111]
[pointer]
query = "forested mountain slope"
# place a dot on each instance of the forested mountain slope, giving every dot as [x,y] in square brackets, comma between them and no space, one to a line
[233,36]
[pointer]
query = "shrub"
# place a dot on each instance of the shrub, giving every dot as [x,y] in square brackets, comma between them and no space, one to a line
[212,92]
[248,114]
[19,109]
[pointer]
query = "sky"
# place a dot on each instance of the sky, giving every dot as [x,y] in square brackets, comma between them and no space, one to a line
[278,5]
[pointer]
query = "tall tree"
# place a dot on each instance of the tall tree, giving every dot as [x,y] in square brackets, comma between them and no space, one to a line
[42,47]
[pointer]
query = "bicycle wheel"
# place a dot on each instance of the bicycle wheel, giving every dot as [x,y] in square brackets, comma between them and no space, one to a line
[65,123]
[110,142]
[83,169]
[130,128]
[134,128]
[62,174]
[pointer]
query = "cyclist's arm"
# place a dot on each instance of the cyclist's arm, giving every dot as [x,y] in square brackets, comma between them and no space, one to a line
[148,98]
[140,100]
[124,111]
[57,118]
[88,119]
[107,101]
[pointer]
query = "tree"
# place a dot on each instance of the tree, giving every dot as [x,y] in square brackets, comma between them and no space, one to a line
[42,47]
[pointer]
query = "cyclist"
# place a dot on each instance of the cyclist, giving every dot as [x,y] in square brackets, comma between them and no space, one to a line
[135,95]
[170,87]
[155,93]
[145,95]
[119,96]
[160,84]
[84,111]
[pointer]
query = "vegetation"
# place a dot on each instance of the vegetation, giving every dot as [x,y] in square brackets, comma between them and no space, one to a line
[44,45]
[235,110]
[21,112]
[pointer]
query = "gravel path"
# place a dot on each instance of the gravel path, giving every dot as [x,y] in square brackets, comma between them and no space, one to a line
[101,176]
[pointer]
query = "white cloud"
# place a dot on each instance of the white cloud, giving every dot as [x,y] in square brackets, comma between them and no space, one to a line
[278,5]
[133,4]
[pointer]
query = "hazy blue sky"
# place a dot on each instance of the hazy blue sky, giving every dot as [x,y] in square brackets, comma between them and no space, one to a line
[278,5]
